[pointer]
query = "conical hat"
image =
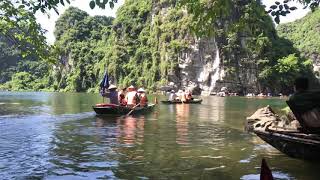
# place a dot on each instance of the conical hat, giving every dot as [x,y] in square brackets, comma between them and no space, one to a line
[112,87]
[131,87]
[141,90]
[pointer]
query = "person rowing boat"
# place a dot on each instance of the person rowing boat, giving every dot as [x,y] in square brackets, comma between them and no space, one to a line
[112,94]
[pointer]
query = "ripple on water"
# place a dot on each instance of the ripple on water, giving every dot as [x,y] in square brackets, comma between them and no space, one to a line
[99,165]
[248,160]
[105,174]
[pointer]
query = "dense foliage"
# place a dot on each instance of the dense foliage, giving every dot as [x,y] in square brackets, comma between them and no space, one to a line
[80,42]
[16,14]
[304,33]
[250,45]
[144,44]
[18,23]
[144,49]
[20,71]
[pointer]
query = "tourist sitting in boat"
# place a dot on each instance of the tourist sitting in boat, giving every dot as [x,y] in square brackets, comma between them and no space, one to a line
[112,94]
[122,97]
[305,104]
[143,97]
[132,97]
[172,96]
[183,96]
[180,95]
[261,94]
[188,95]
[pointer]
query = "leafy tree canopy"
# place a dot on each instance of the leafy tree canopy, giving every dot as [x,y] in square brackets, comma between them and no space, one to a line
[17,22]
[208,12]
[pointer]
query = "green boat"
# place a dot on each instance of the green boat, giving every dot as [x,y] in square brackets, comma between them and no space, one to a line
[194,101]
[112,109]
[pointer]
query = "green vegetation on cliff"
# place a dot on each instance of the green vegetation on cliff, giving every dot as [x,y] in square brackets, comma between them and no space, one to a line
[80,45]
[305,35]
[145,44]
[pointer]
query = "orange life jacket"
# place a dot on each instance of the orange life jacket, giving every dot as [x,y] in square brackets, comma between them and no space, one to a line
[122,99]
[189,96]
[143,99]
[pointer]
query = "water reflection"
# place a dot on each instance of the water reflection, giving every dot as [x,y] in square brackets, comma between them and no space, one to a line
[212,109]
[182,118]
[61,138]
[131,130]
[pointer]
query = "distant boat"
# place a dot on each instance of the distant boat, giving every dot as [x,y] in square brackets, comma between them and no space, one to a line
[194,101]
[112,109]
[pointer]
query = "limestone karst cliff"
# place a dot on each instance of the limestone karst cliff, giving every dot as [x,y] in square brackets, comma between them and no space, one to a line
[155,43]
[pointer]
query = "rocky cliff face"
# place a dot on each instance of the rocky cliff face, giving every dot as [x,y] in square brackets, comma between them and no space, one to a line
[150,44]
[201,67]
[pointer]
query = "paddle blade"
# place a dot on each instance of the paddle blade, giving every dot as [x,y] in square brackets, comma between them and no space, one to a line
[265,173]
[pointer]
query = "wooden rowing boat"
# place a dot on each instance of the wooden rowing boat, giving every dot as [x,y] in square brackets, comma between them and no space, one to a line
[294,144]
[286,137]
[112,109]
[194,101]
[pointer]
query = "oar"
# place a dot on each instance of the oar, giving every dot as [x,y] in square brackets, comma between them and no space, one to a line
[132,109]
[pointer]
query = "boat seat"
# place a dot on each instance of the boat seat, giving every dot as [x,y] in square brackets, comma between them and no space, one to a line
[309,121]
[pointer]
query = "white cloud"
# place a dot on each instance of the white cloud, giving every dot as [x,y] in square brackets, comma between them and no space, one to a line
[48,23]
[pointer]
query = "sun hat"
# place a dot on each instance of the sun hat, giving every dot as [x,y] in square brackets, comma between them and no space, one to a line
[131,87]
[141,90]
[112,87]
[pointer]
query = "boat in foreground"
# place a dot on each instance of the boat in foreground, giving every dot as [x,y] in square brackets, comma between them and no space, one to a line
[287,137]
[294,144]
[194,101]
[112,109]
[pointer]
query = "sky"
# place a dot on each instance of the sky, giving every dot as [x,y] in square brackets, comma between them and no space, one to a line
[48,23]
[296,14]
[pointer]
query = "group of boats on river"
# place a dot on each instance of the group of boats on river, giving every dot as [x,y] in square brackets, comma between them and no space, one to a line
[297,134]
[131,101]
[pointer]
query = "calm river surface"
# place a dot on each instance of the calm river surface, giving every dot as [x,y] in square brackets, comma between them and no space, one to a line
[58,136]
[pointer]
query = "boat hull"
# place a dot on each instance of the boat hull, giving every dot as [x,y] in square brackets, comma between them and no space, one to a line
[297,145]
[195,101]
[121,110]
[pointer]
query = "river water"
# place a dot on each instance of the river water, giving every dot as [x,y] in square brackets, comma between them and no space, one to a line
[58,136]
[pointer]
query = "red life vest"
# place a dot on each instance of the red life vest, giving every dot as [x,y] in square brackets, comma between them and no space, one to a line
[143,99]
[122,99]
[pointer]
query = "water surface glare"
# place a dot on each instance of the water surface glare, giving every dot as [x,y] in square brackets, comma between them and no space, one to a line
[58,136]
